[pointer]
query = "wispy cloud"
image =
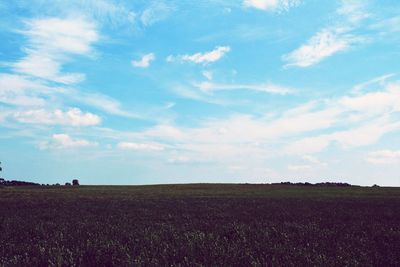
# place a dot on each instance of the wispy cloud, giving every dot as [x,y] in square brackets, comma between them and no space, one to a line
[381,81]
[357,136]
[202,58]
[313,160]
[140,146]
[145,61]
[348,121]
[331,39]
[271,4]
[72,117]
[43,66]
[266,88]
[39,89]
[299,168]
[384,157]
[100,102]
[64,141]
[34,92]
[155,12]
[353,11]
[73,35]
[322,45]
[50,42]
[208,75]
[389,25]
[17,90]
[110,13]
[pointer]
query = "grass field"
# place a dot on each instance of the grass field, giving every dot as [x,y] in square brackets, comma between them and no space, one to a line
[199,224]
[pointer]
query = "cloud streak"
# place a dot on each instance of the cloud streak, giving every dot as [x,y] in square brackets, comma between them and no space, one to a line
[202,58]
[384,157]
[65,141]
[322,45]
[50,42]
[145,61]
[332,39]
[265,88]
[271,4]
[71,117]
[140,146]
[349,122]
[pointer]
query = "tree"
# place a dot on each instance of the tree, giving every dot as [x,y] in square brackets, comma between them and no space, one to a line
[75,182]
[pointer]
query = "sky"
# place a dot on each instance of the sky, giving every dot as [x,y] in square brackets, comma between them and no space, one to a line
[180,91]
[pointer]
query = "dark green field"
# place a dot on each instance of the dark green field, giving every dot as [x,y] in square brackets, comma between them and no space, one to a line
[195,225]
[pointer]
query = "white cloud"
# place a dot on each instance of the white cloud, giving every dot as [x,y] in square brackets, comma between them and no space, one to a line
[384,157]
[101,102]
[322,45]
[307,145]
[20,91]
[145,61]
[357,136]
[367,118]
[390,25]
[50,43]
[367,134]
[306,129]
[169,105]
[297,168]
[253,141]
[73,35]
[179,160]
[202,58]
[72,117]
[374,102]
[354,11]
[312,159]
[140,146]
[43,66]
[271,4]
[208,75]
[381,80]
[110,13]
[60,141]
[266,88]
[157,11]
[332,39]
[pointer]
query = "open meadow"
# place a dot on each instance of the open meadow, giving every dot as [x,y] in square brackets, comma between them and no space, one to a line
[199,225]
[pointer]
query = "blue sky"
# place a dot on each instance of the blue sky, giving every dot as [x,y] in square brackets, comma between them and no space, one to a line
[167,91]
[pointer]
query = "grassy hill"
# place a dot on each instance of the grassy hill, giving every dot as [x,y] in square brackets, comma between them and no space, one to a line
[200,224]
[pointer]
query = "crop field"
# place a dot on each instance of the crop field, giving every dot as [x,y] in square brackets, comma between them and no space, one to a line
[199,225]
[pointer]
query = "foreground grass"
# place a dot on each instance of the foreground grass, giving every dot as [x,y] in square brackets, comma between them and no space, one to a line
[194,225]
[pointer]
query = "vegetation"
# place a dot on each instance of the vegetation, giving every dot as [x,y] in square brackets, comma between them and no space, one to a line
[317,184]
[202,224]
[4,182]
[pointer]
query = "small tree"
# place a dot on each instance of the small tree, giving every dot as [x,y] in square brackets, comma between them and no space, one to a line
[75,182]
